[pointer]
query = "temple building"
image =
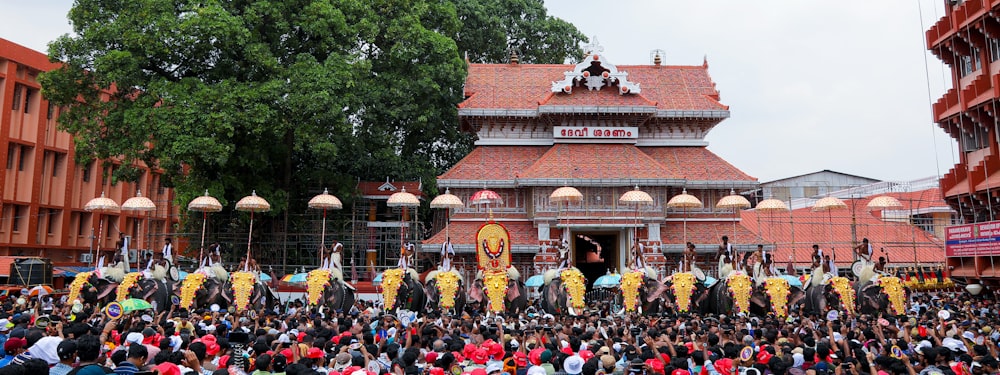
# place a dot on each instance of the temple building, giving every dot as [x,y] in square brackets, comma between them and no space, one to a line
[603,129]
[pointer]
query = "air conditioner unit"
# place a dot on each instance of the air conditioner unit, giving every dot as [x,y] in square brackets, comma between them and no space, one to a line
[86,258]
[132,255]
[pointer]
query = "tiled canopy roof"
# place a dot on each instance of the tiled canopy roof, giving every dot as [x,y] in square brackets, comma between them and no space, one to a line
[372,188]
[463,235]
[900,240]
[528,86]
[593,161]
[701,233]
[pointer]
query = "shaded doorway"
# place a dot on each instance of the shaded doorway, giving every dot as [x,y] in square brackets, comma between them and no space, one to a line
[595,253]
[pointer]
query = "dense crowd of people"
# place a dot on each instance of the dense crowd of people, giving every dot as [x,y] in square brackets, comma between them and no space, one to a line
[297,340]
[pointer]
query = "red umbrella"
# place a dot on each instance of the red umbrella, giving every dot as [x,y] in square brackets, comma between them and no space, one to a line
[486,197]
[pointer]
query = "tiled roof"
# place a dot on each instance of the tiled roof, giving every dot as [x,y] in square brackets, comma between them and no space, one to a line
[371,188]
[919,200]
[701,233]
[525,86]
[962,187]
[494,163]
[596,161]
[463,233]
[5,262]
[900,240]
[696,163]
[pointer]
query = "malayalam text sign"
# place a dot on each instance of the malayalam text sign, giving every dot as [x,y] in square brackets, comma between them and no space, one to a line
[973,239]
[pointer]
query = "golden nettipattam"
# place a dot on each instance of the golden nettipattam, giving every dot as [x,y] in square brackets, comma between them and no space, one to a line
[189,288]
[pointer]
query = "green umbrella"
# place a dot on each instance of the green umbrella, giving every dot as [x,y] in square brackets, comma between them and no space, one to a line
[135,304]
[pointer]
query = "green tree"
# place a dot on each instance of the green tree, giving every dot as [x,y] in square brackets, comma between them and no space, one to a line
[491,28]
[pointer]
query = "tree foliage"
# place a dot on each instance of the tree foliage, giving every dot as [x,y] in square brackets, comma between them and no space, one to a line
[283,96]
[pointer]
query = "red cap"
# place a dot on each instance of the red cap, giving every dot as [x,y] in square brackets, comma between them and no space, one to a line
[314,353]
[211,348]
[586,355]
[567,350]
[478,371]
[680,372]
[535,356]
[763,357]
[431,357]
[520,359]
[468,350]
[287,352]
[335,339]
[458,356]
[167,368]
[436,371]
[724,366]
[480,356]
[223,361]
[657,366]
[301,336]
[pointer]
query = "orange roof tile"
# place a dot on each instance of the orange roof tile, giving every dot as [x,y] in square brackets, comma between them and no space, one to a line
[696,163]
[596,161]
[372,188]
[928,199]
[525,86]
[901,241]
[463,234]
[5,263]
[701,233]
[494,163]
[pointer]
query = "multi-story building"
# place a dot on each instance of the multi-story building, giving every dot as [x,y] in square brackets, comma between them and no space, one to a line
[967,39]
[44,189]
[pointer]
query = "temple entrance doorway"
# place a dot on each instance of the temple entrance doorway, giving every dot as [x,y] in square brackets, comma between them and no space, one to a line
[595,253]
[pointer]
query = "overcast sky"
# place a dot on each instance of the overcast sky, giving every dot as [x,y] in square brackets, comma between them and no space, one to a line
[811,85]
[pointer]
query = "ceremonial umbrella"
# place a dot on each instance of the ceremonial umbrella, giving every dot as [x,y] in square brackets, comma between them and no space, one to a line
[205,204]
[138,204]
[883,203]
[535,281]
[830,204]
[40,290]
[324,201]
[403,200]
[487,197]
[609,280]
[684,201]
[735,202]
[295,278]
[135,304]
[447,201]
[564,195]
[251,203]
[770,206]
[636,198]
[101,205]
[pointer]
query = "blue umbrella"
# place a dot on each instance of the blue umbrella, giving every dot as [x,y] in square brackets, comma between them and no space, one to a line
[792,280]
[535,281]
[608,281]
[709,281]
[298,278]
[265,277]
[377,280]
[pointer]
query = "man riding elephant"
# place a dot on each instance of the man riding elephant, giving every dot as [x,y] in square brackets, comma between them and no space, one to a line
[326,287]
[401,289]
[512,298]
[445,290]
[642,292]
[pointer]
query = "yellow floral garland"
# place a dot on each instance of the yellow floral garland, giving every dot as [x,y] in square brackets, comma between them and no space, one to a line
[77,285]
[391,281]
[243,283]
[127,283]
[843,288]
[495,284]
[447,285]
[189,287]
[576,287]
[893,288]
[741,287]
[316,280]
[683,286]
[631,281]
[777,290]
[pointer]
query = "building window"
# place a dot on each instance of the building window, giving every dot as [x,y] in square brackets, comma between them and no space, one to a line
[53,221]
[15,225]
[993,44]
[57,163]
[86,172]
[82,223]
[23,158]
[976,140]
[104,176]
[12,149]
[17,97]
[27,99]
[969,64]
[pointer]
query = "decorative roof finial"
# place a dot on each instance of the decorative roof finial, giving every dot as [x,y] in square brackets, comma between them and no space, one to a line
[593,47]
[513,57]
[657,60]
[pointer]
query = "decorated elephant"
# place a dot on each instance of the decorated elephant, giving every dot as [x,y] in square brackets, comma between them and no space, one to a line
[642,293]
[777,295]
[402,290]
[514,300]
[837,293]
[564,291]
[245,291]
[687,293]
[445,291]
[197,290]
[155,291]
[881,295]
[734,295]
[326,287]
[91,289]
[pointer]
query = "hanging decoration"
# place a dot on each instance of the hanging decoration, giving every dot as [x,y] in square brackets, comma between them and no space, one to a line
[243,284]
[842,286]
[189,288]
[777,291]
[741,287]
[316,280]
[631,282]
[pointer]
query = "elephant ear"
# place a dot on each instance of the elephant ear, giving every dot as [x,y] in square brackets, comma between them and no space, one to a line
[106,289]
[152,289]
[656,290]
[513,291]
[476,293]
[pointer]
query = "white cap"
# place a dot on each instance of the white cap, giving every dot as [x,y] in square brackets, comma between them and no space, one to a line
[573,365]
[969,335]
[494,366]
[536,370]
[3,325]
[134,337]
[283,339]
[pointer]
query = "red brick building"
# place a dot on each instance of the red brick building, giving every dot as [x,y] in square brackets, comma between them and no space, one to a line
[603,129]
[44,190]
[967,39]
